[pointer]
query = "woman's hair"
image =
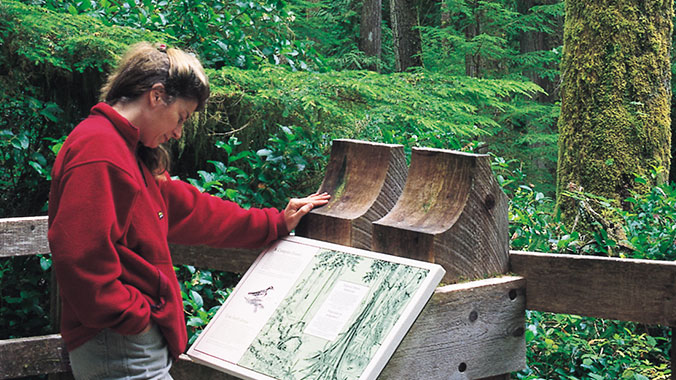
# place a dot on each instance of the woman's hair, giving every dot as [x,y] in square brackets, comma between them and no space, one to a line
[144,65]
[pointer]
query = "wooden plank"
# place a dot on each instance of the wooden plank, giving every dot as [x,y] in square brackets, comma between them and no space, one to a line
[452,212]
[186,369]
[466,331]
[47,354]
[28,236]
[33,356]
[365,180]
[227,260]
[23,236]
[603,287]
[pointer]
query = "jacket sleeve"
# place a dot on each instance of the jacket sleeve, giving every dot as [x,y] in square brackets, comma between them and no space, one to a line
[197,218]
[92,213]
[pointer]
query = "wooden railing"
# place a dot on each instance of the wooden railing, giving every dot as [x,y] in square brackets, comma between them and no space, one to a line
[450,211]
[471,326]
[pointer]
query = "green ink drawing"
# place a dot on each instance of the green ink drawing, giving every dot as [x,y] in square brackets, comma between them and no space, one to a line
[379,291]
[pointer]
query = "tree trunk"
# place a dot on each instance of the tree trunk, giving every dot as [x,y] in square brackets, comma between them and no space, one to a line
[369,30]
[407,45]
[615,97]
[472,58]
[540,41]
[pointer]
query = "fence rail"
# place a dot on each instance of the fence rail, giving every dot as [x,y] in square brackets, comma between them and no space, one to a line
[446,208]
[486,315]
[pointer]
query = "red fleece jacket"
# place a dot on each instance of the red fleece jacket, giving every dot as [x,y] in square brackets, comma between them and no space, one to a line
[110,222]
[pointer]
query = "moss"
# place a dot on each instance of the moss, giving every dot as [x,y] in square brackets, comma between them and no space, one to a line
[615,96]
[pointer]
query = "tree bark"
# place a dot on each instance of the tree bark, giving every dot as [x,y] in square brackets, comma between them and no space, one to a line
[540,41]
[615,97]
[472,29]
[370,36]
[407,44]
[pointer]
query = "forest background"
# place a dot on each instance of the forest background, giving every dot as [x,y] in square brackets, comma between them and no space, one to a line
[290,76]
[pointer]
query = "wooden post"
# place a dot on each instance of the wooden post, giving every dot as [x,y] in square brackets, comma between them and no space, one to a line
[466,331]
[365,180]
[452,212]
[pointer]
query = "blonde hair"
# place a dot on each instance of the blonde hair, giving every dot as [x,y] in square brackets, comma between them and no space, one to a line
[146,64]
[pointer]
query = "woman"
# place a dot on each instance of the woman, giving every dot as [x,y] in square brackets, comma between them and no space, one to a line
[113,209]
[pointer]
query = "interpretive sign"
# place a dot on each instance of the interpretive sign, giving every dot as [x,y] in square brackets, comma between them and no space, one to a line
[309,310]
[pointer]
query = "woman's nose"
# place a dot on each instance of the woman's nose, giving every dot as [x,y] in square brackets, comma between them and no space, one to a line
[177,132]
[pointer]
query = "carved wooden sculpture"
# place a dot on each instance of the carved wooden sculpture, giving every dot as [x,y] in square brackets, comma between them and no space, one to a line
[365,180]
[452,212]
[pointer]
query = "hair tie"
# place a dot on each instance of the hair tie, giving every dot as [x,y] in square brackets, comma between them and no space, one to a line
[162,48]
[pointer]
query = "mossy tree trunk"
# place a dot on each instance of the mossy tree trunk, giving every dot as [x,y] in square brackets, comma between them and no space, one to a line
[615,97]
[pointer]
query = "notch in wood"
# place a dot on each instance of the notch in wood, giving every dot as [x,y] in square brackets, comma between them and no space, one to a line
[452,212]
[365,180]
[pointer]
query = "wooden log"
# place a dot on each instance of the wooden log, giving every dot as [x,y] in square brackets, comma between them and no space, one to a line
[625,289]
[365,180]
[466,331]
[32,356]
[452,212]
[23,236]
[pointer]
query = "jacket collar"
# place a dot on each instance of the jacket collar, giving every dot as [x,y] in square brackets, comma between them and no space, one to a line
[131,134]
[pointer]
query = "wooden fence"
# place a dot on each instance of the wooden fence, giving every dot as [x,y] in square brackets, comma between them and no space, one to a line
[445,208]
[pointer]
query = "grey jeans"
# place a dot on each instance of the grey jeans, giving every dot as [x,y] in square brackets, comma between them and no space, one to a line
[111,356]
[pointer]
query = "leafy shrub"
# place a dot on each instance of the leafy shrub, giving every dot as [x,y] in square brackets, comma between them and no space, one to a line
[24,296]
[224,33]
[203,293]
[570,347]
[567,347]
[51,67]
[287,167]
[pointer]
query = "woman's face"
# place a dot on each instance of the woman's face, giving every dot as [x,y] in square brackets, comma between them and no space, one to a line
[165,121]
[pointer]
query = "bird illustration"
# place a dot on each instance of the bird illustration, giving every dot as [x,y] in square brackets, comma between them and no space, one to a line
[262,292]
[256,298]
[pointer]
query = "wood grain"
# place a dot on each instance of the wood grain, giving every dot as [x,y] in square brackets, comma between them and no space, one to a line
[227,260]
[624,289]
[365,180]
[452,212]
[477,327]
[23,236]
[186,369]
[33,356]
[466,331]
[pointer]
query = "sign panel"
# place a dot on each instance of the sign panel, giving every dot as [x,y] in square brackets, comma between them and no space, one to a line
[309,310]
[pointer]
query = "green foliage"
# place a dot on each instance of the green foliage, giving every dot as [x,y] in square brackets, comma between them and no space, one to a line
[488,35]
[24,296]
[571,347]
[203,294]
[287,167]
[334,26]
[498,39]
[650,224]
[224,33]
[51,67]
[23,154]
[412,108]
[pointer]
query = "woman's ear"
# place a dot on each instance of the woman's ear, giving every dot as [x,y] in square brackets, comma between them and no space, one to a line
[157,95]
